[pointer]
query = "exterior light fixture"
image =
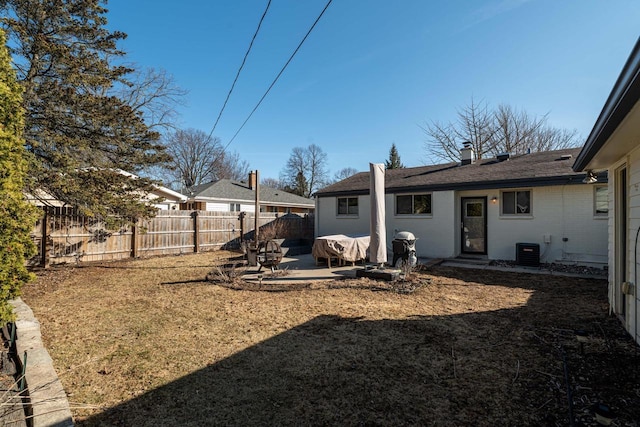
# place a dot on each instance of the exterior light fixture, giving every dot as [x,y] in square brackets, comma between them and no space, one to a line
[494,200]
[590,178]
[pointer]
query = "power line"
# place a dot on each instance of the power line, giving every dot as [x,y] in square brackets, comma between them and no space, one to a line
[279,74]
[240,69]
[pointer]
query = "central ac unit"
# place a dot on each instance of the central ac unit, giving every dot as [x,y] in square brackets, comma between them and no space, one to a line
[528,254]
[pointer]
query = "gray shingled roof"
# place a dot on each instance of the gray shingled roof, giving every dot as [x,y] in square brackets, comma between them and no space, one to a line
[535,169]
[226,189]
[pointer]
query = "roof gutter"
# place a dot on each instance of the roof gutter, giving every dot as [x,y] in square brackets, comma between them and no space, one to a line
[623,97]
[485,185]
[245,201]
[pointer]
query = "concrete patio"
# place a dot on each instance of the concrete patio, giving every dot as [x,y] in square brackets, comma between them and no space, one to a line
[302,268]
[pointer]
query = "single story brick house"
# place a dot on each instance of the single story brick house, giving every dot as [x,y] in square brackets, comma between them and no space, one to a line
[481,208]
[226,195]
[614,146]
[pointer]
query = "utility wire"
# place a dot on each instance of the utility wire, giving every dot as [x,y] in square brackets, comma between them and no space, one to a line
[279,74]
[240,69]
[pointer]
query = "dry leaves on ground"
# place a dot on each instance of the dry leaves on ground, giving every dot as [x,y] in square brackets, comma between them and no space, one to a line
[152,342]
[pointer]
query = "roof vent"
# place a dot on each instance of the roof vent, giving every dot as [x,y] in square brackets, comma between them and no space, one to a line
[566,157]
[503,156]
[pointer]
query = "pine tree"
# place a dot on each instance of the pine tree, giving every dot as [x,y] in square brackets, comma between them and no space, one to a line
[17,217]
[394,159]
[81,135]
[302,186]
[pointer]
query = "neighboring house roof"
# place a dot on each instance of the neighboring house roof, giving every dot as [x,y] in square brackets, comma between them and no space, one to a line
[159,192]
[42,198]
[228,190]
[169,194]
[618,121]
[531,170]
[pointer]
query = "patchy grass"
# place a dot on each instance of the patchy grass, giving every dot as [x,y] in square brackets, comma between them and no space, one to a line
[152,342]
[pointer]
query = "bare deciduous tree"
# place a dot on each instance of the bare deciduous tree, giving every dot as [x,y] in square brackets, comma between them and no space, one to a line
[198,158]
[550,138]
[306,170]
[272,183]
[515,130]
[475,124]
[344,173]
[229,165]
[194,155]
[503,130]
[155,95]
[318,174]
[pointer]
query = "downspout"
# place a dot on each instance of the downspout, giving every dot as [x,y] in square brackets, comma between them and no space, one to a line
[316,221]
[635,288]
[563,231]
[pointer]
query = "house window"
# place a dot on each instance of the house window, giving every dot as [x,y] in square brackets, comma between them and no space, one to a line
[347,206]
[413,204]
[601,200]
[193,206]
[234,207]
[516,202]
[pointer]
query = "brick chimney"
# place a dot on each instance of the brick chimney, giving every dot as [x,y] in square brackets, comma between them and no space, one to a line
[252,180]
[466,153]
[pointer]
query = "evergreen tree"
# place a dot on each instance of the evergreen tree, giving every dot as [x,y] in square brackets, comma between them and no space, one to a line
[394,159]
[17,217]
[302,186]
[80,134]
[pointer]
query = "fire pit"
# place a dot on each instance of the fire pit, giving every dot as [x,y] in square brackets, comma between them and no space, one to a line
[269,254]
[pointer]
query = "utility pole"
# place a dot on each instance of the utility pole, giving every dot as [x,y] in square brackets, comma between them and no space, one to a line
[256,223]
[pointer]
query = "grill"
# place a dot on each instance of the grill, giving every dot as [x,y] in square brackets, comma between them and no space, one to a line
[404,249]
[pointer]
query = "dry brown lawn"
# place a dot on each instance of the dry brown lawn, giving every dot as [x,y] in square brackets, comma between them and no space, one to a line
[151,342]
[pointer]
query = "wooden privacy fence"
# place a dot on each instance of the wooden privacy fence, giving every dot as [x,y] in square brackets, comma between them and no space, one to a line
[63,236]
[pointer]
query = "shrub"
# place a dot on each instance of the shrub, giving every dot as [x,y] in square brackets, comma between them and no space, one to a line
[17,216]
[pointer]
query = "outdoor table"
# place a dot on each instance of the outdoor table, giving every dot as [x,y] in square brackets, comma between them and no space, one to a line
[340,247]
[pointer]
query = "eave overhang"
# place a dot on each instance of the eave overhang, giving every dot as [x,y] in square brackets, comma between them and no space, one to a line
[617,129]
[484,185]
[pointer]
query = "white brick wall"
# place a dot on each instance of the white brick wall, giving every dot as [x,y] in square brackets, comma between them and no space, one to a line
[631,322]
[561,211]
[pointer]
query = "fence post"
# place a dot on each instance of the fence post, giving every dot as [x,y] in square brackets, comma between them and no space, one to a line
[242,230]
[134,239]
[196,232]
[43,242]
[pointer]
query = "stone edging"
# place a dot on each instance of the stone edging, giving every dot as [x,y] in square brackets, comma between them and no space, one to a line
[528,270]
[49,402]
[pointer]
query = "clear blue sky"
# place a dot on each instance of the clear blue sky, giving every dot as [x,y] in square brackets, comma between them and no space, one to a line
[373,71]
